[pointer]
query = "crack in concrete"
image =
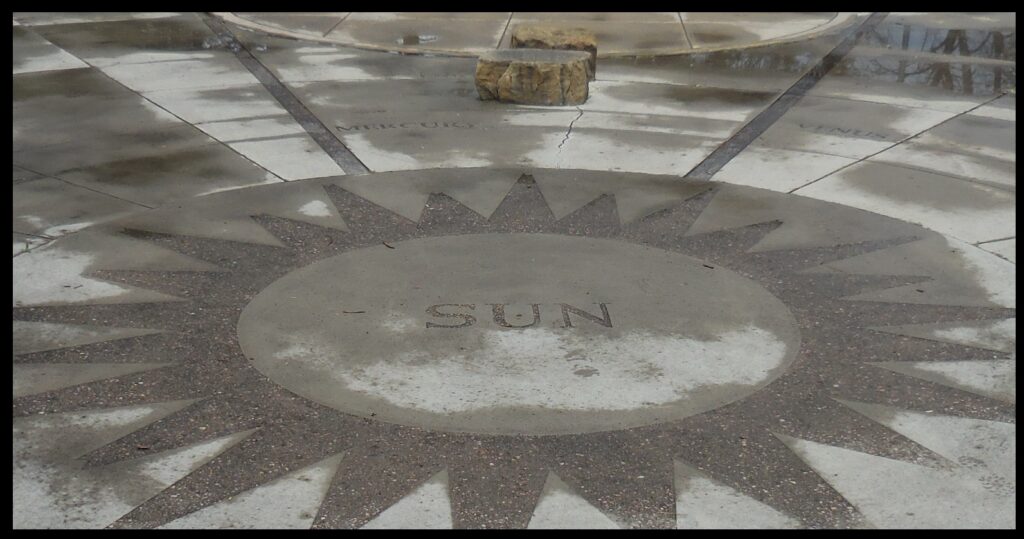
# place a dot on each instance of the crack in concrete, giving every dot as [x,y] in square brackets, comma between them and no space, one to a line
[569,132]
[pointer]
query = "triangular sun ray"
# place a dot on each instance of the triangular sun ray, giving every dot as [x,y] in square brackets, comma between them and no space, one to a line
[152,348]
[724,246]
[267,454]
[162,384]
[523,209]
[230,255]
[833,285]
[372,476]
[864,314]
[670,224]
[368,222]
[161,315]
[818,418]
[210,417]
[831,345]
[182,284]
[443,214]
[597,219]
[792,260]
[898,390]
[629,479]
[310,242]
[779,479]
[495,485]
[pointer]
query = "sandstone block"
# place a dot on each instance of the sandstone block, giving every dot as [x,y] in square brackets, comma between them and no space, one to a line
[533,77]
[536,36]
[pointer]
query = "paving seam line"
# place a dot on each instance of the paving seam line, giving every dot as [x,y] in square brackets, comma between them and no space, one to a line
[686,35]
[902,141]
[747,134]
[337,24]
[505,31]
[140,95]
[87,188]
[323,136]
[995,240]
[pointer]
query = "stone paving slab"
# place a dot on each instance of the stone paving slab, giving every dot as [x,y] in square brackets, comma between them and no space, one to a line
[1004,248]
[970,211]
[847,128]
[989,158]
[38,214]
[33,53]
[107,43]
[39,18]
[520,317]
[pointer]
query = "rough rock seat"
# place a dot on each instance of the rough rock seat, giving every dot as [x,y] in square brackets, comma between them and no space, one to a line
[533,76]
[539,36]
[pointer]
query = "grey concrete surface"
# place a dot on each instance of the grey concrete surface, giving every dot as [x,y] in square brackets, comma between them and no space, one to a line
[215,327]
[618,33]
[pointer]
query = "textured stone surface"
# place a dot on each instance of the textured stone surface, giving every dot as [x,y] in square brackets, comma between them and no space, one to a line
[438,267]
[137,411]
[533,77]
[537,36]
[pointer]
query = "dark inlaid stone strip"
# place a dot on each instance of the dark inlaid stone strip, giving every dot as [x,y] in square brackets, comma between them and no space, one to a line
[316,129]
[756,127]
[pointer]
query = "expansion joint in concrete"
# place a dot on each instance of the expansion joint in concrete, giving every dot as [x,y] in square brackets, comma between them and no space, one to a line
[897,143]
[747,134]
[323,136]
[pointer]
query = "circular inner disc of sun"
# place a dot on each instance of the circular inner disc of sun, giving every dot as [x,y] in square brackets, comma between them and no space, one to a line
[518,334]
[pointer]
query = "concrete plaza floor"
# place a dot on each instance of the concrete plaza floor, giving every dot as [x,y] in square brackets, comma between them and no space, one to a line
[288,271]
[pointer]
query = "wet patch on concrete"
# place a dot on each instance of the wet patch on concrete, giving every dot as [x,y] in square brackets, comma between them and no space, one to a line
[479,36]
[846,128]
[619,33]
[148,178]
[970,211]
[103,43]
[52,208]
[719,35]
[33,53]
[37,18]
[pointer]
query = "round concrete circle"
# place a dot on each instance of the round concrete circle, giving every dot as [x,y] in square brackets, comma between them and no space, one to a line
[518,334]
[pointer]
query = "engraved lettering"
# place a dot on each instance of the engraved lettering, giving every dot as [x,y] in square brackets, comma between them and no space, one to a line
[499,315]
[468,319]
[354,128]
[844,130]
[605,321]
[406,125]
[501,318]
